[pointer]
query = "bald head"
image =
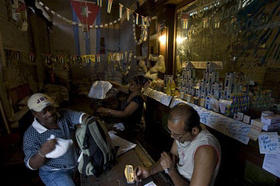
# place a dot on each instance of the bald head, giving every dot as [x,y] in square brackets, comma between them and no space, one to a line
[185,113]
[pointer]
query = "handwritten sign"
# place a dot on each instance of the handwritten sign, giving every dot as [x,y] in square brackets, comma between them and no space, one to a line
[271,164]
[269,143]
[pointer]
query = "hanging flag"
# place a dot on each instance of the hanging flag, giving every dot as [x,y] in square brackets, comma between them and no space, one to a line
[137,16]
[99,3]
[127,14]
[185,20]
[109,6]
[120,11]
[86,11]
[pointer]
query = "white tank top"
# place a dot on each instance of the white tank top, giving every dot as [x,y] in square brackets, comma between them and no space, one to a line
[186,152]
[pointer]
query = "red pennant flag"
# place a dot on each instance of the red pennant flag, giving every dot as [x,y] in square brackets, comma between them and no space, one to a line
[86,11]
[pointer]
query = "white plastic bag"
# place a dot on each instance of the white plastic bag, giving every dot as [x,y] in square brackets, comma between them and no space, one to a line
[61,147]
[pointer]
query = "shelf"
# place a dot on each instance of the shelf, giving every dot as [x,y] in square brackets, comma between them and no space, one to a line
[228,126]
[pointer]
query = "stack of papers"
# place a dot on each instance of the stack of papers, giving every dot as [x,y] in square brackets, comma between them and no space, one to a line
[123,144]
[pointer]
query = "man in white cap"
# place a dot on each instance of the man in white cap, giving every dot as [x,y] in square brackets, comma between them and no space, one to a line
[37,143]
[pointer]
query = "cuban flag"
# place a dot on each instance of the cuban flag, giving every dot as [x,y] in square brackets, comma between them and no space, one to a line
[86,37]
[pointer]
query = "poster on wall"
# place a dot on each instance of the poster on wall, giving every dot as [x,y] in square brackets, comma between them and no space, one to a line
[17,12]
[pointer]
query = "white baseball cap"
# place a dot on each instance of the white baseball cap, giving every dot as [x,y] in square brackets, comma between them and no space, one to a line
[39,101]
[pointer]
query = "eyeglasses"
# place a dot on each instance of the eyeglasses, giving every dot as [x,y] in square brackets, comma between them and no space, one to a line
[176,135]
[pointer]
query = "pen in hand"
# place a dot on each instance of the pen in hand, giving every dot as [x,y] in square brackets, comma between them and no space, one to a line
[136,175]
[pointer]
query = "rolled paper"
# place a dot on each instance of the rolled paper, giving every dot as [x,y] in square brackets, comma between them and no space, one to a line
[136,19]
[120,11]
[127,14]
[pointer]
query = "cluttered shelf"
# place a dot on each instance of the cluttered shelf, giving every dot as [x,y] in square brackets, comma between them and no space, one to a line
[228,126]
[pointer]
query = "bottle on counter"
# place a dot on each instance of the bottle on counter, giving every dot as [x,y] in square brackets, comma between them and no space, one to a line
[172,87]
[168,87]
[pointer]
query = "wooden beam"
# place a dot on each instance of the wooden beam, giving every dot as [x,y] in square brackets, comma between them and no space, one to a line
[4,118]
[3,93]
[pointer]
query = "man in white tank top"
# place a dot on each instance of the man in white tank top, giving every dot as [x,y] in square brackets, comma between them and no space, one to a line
[195,155]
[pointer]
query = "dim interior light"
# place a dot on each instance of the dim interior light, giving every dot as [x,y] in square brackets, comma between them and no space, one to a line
[162,39]
[180,39]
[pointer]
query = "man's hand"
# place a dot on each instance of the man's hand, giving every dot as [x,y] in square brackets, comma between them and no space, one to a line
[141,173]
[167,161]
[48,146]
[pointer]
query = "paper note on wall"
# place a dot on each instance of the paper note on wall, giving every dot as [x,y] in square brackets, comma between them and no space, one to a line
[271,164]
[269,143]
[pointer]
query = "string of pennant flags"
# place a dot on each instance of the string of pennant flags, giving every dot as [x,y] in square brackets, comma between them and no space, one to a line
[120,60]
[17,57]
[144,20]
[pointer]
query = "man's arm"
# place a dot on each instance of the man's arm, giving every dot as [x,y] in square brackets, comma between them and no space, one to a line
[37,160]
[120,87]
[142,172]
[129,109]
[205,161]
[169,163]
[174,149]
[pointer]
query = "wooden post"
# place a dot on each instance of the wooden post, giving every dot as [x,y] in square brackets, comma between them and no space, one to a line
[3,94]
[3,59]
[4,118]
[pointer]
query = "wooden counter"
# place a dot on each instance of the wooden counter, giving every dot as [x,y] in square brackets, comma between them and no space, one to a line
[115,177]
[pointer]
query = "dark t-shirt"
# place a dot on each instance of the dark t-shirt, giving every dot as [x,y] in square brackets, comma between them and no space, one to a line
[135,117]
